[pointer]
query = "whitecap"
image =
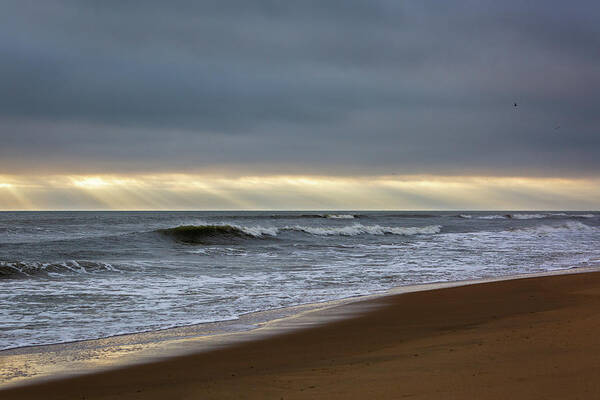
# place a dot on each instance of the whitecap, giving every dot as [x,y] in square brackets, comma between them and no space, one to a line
[339,216]
[359,229]
[528,216]
[491,217]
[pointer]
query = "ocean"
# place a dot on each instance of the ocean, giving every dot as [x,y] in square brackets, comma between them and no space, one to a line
[70,276]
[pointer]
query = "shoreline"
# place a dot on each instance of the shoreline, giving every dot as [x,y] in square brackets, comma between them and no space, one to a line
[534,337]
[130,350]
[318,305]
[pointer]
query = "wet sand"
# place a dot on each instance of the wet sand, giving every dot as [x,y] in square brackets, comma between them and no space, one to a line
[521,339]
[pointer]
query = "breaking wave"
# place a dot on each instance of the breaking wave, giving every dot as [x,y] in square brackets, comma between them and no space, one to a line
[211,234]
[20,270]
[214,234]
[284,216]
[493,216]
[340,216]
[359,229]
[528,216]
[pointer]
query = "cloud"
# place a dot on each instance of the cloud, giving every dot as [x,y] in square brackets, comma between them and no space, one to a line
[312,87]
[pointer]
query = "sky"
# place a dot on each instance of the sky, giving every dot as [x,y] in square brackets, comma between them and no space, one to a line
[325,104]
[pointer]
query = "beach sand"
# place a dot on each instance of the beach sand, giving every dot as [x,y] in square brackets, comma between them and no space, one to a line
[534,338]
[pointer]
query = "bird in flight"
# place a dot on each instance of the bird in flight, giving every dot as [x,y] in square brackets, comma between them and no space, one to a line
[515,104]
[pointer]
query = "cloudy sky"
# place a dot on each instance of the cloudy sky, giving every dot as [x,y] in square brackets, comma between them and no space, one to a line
[306,104]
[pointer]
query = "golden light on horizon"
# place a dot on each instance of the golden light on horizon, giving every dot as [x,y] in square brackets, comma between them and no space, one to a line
[198,192]
[91,183]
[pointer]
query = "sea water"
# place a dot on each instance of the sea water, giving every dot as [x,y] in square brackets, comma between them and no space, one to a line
[68,276]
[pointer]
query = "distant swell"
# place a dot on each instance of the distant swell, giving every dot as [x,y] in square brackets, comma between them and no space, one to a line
[20,270]
[569,226]
[528,216]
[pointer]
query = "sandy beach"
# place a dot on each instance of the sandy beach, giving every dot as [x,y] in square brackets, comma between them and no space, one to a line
[525,338]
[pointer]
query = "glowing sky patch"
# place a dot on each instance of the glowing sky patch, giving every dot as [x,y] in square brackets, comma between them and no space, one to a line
[201,192]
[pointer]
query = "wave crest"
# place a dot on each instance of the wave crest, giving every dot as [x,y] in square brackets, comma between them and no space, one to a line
[340,216]
[359,229]
[528,216]
[216,234]
[560,215]
[209,234]
[494,216]
[584,216]
[20,270]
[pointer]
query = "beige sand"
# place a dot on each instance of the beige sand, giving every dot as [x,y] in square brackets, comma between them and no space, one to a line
[535,338]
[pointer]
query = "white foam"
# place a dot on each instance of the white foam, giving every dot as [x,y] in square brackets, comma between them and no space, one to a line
[56,269]
[359,229]
[257,231]
[491,217]
[351,230]
[340,216]
[528,216]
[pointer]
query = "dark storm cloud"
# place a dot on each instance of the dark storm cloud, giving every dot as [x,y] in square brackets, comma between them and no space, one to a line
[325,87]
